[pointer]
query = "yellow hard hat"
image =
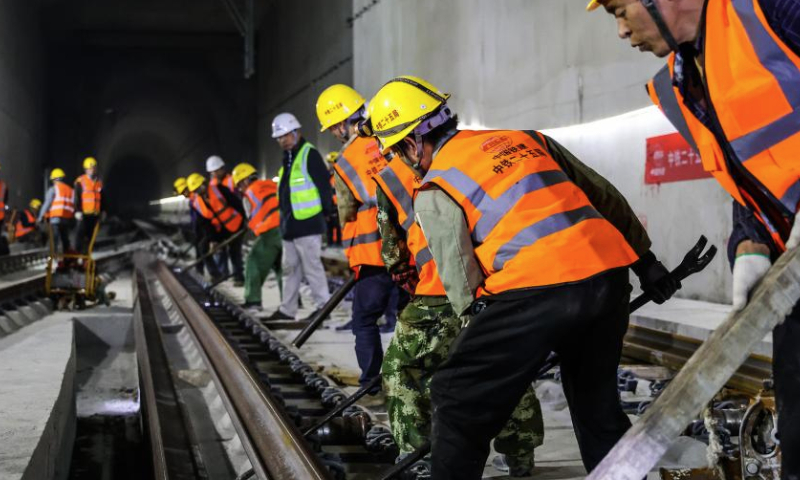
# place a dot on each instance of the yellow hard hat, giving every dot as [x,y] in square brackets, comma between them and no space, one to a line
[35,204]
[332,157]
[195,181]
[180,185]
[402,105]
[336,104]
[242,171]
[593,5]
[57,173]
[89,162]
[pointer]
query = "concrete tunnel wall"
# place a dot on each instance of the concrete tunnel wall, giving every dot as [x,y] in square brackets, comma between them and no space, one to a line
[303,47]
[539,64]
[22,100]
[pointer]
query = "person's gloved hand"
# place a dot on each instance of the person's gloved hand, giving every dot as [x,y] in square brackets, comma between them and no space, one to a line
[794,236]
[407,280]
[655,278]
[748,269]
[78,216]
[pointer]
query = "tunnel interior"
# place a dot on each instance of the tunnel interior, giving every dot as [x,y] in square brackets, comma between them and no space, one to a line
[149,88]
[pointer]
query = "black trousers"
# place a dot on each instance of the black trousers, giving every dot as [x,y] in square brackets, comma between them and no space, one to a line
[786,371]
[497,356]
[84,232]
[61,233]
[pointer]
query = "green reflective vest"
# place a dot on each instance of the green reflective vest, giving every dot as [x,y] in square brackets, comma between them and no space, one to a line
[303,193]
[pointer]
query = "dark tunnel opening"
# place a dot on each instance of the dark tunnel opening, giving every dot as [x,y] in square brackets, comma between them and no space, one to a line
[131,183]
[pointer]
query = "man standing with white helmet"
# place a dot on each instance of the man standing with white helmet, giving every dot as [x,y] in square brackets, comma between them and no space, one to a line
[215,167]
[304,195]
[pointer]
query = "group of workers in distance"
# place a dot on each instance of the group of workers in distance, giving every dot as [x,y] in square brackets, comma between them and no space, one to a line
[509,248]
[63,205]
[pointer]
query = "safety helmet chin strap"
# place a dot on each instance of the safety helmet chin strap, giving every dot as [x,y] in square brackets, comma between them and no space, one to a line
[429,124]
[651,7]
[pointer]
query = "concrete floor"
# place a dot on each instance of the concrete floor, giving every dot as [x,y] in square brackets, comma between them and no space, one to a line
[106,379]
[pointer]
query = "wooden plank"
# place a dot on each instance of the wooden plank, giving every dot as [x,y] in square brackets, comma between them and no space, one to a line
[705,373]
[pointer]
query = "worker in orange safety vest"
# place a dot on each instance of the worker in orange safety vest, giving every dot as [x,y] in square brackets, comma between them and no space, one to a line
[731,87]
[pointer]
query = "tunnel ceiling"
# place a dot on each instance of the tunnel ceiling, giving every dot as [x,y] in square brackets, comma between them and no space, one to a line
[152,88]
[170,16]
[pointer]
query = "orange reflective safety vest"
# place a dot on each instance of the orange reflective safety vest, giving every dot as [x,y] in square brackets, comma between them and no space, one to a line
[530,225]
[333,189]
[398,181]
[752,82]
[226,182]
[63,205]
[357,164]
[264,213]
[2,200]
[21,230]
[218,211]
[91,191]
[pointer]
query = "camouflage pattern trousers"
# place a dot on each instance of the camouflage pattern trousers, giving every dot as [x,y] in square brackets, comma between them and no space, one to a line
[425,330]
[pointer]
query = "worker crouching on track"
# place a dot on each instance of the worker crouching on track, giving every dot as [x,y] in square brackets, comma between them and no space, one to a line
[428,326]
[87,198]
[59,209]
[25,224]
[340,109]
[261,197]
[225,214]
[731,87]
[537,246]
[304,197]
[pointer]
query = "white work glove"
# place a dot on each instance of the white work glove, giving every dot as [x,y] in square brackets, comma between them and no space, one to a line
[794,236]
[78,216]
[748,269]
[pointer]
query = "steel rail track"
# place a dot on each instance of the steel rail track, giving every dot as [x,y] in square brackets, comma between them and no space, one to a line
[277,394]
[282,452]
[673,351]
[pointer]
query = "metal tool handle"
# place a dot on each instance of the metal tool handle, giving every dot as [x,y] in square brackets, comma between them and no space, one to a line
[326,310]
[693,262]
[344,404]
[216,249]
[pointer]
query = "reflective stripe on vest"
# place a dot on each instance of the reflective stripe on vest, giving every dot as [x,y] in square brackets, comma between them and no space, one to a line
[2,200]
[200,206]
[226,182]
[90,194]
[20,230]
[63,205]
[358,163]
[303,193]
[264,212]
[223,212]
[398,181]
[531,226]
[753,83]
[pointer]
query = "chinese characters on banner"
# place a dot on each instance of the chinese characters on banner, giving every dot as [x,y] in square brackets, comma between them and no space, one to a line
[671,159]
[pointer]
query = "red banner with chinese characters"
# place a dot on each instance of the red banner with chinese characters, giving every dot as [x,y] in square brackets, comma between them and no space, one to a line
[671,159]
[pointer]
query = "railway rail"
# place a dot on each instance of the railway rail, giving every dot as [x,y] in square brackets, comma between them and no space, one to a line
[274,396]
[271,394]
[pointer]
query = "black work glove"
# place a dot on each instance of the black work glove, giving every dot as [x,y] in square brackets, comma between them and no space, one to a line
[407,280]
[655,278]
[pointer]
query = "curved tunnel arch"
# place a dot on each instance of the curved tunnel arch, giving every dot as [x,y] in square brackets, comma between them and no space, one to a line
[149,119]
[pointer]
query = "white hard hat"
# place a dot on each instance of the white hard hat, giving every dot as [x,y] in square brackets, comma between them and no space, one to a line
[214,163]
[284,123]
